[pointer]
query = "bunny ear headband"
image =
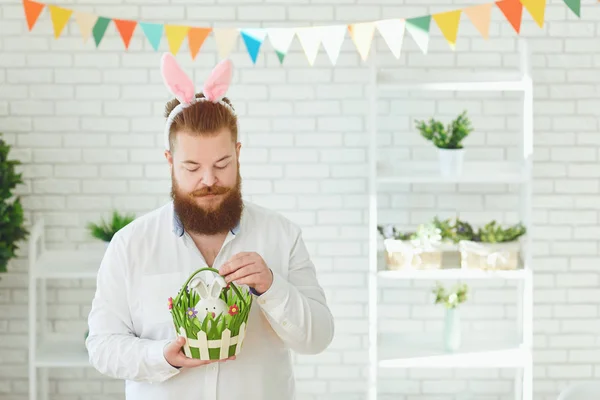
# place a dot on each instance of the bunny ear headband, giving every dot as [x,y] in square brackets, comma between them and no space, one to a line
[182,87]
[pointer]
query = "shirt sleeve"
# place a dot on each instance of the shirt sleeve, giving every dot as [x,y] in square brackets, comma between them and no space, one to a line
[113,348]
[297,308]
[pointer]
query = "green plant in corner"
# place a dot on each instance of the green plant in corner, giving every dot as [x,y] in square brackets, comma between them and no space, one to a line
[106,230]
[446,137]
[492,232]
[12,229]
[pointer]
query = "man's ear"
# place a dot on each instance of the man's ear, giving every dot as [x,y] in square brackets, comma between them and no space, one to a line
[238,146]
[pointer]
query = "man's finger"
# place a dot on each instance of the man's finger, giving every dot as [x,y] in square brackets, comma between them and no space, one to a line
[249,280]
[231,266]
[242,272]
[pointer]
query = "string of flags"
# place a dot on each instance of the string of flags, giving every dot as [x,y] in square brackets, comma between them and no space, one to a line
[311,38]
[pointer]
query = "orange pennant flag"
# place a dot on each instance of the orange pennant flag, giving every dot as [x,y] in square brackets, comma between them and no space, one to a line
[448,23]
[536,9]
[175,35]
[481,17]
[196,38]
[362,36]
[33,9]
[513,11]
[125,28]
[60,16]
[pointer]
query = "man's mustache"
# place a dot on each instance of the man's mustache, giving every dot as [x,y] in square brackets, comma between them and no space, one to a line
[209,190]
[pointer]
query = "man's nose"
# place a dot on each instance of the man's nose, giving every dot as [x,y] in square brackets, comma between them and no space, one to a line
[208,178]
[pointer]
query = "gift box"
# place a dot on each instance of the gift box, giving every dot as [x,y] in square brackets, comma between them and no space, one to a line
[213,318]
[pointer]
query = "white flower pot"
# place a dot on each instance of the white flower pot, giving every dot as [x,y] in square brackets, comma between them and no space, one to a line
[451,161]
[452,331]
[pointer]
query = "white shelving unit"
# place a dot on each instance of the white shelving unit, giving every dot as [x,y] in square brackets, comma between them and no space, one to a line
[50,350]
[424,350]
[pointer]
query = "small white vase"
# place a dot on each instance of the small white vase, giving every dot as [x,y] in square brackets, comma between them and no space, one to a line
[451,161]
[452,337]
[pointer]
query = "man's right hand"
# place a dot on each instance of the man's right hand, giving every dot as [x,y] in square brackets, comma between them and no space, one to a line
[175,356]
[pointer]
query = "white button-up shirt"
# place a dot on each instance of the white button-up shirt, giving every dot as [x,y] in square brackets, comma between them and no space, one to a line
[150,259]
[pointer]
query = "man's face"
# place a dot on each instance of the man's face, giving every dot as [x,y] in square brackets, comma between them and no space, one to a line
[206,183]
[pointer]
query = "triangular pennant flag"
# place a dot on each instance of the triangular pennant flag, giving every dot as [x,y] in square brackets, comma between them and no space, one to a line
[86,23]
[419,30]
[448,23]
[481,16]
[575,6]
[153,33]
[99,29]
[310,39]
[60,16]
[332,38]
[392,31]
[32,9]
[125,28]
[196,38]
[536,9]
[225,39]
[253,39]
[281,39]
[513,12]
[362,36]
[175,35]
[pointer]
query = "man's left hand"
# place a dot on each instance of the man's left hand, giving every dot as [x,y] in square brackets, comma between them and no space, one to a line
[248,269]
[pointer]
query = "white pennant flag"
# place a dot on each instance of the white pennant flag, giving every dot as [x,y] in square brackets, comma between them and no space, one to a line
[392,31]
[333,38]
[310,39]
[281,39]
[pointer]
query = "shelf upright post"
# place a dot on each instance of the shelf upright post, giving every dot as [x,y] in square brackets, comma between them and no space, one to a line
[372,226]
[36,239]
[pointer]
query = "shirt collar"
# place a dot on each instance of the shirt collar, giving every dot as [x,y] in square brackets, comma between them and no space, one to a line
[179,230]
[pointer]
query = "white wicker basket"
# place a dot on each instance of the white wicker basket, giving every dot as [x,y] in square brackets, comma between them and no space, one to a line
[403,254]
[490,256]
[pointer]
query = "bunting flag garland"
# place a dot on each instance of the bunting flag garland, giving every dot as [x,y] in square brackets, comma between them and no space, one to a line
[253,39]
[513,11]
[331,37]
[419,29]
[448,24]
[481,17]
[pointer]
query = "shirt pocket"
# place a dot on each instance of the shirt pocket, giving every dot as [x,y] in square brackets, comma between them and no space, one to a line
[155,291]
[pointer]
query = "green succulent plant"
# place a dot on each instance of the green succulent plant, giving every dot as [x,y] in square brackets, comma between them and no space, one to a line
[492,232]
[446,137]
[105,230]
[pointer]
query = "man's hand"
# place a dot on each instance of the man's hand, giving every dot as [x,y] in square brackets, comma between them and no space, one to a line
[174,355]
[248,269]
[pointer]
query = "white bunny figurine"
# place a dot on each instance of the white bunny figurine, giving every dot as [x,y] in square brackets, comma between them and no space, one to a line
[209,298]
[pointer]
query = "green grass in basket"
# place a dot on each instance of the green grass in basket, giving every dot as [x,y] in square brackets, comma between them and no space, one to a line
[213,327]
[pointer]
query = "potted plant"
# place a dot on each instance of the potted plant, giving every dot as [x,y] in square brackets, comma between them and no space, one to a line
[492,247]
[12,227]
[448,141]
[419,249]
[105,230]
[450,299]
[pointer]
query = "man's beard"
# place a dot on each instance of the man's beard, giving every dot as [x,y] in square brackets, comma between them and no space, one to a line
[198,220]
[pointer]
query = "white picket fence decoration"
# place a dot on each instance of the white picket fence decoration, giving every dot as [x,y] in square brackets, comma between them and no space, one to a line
[202,344]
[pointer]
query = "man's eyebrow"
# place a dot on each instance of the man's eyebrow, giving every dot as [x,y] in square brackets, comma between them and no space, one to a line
[196,163]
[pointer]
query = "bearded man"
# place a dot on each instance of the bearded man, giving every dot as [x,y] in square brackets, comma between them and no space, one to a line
[206,223]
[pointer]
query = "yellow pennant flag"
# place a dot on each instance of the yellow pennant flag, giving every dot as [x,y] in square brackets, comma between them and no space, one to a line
[86,24]
[536,8]
[362,36]
[60,16]
[481,16]
[175,35]
[448,23]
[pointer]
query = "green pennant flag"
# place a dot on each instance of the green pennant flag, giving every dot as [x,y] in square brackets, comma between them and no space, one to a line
[99,29]
[419,30]
[575,6]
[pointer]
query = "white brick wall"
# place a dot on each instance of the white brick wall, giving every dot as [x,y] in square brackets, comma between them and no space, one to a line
[86,123]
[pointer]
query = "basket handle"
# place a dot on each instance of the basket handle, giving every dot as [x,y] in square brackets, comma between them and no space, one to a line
[235,289]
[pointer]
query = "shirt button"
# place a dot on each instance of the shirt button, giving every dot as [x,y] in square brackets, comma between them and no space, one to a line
[284,323]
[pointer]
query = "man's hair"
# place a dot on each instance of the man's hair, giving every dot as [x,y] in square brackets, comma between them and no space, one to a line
[202,118]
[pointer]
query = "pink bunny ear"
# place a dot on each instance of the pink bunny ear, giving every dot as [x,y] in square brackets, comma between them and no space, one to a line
[178,83]
[218,82]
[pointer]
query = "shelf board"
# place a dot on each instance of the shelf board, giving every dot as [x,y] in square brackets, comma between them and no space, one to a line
[454,273]
[473,172]
[68,264]
[61,352]
[426,351]
[463,86]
